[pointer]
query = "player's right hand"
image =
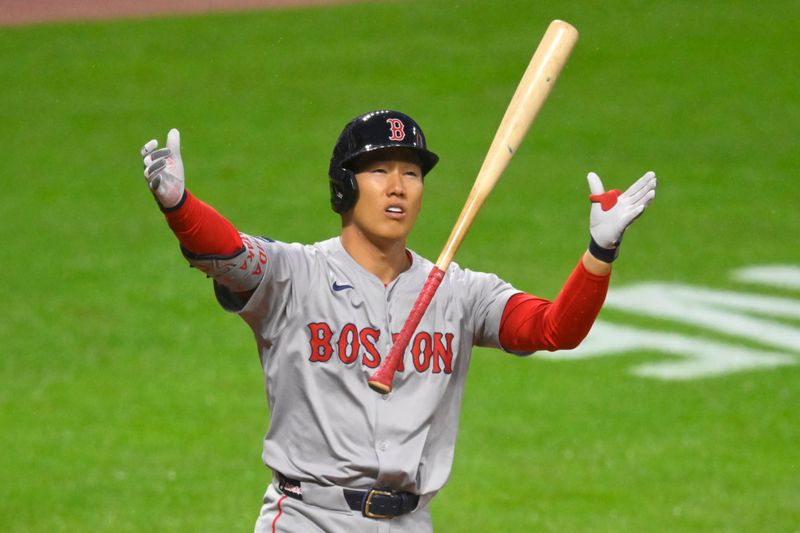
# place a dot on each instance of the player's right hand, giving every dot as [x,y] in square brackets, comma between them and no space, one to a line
[163,170]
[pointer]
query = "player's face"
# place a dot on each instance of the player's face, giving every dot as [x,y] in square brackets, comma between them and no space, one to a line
[389,195]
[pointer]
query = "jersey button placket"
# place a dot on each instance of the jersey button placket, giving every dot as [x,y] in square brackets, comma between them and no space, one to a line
[381,442]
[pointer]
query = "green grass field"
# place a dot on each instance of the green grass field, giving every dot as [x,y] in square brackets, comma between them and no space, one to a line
[130,402]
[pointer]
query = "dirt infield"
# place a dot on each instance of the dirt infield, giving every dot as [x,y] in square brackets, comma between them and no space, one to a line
[23,12]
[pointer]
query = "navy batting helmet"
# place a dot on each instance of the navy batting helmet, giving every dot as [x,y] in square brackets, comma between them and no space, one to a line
[372,131]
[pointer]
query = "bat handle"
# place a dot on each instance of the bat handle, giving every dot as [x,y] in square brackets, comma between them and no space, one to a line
[381,379]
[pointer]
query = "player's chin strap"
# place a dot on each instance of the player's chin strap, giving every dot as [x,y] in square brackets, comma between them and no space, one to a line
[239,272]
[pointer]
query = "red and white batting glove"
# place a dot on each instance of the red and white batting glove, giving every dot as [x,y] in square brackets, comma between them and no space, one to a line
[612,212]
[163,170]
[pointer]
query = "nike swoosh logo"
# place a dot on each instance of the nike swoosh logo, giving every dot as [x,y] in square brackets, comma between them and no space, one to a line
[338,287]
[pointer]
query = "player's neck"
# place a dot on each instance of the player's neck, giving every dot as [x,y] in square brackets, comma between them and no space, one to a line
[385,259]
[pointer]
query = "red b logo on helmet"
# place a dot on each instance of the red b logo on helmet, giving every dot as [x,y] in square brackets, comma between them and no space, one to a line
[398,129]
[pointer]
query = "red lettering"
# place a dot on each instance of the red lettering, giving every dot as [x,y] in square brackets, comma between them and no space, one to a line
[428,351]
[348,339]
[368,337]
[321,335]
[421,351]
[442,353]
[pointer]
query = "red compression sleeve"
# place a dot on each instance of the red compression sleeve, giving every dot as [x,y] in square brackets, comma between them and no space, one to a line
[530,323]
[202,230]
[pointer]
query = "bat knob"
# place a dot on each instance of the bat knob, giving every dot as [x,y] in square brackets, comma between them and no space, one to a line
[379,386]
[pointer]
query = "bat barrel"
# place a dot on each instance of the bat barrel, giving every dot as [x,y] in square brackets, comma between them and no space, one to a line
[533,89]
[546,64]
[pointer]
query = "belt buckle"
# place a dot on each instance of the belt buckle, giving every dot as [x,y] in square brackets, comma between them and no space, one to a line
[368,503]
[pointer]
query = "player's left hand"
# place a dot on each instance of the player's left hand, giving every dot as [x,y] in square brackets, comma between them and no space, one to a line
[612,212]
[163,170]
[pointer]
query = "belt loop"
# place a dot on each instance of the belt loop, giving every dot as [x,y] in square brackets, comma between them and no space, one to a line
[289,487]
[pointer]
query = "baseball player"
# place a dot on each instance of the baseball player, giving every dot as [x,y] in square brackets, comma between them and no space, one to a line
[343,457]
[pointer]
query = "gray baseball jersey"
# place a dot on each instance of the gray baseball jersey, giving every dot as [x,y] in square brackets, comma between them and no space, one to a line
[322,324]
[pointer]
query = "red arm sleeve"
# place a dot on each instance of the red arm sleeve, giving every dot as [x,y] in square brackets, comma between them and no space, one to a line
[202,230]
[530,323]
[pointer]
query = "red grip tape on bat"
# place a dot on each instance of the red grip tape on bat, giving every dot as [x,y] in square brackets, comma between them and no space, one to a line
[381,380]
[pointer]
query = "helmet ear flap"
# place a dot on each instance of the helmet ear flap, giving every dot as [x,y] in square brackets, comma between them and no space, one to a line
[344,189]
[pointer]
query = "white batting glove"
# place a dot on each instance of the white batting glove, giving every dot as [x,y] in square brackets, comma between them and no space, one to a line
[613,212]
[163,170]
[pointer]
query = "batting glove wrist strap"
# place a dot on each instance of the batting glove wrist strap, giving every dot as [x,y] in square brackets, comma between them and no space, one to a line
[607,255]
[175,207]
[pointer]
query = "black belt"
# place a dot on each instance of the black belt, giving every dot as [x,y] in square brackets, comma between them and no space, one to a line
[373,503]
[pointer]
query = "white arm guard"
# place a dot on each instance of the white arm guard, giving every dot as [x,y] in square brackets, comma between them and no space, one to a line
[240,272]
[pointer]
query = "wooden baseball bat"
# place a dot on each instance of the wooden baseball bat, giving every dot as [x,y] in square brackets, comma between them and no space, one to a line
[534,87]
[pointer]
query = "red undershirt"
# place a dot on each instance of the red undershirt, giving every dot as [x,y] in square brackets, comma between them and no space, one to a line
[202,230]
[528,324]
